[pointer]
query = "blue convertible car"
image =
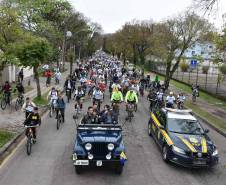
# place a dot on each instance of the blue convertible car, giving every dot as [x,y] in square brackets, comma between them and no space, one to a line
[99,145]
[182,139]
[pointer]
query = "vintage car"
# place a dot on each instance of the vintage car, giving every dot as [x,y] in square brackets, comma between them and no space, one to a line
[99,145]
[182,139]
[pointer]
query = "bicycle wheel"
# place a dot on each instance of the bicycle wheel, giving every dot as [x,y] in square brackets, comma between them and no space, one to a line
[50,112]
[130,116]
[29,144]
[17,105]
[58,122]
[3,104]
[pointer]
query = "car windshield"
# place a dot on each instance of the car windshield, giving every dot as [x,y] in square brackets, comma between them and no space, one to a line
[184,126]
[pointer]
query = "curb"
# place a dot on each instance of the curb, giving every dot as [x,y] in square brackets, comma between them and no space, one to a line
[7,149]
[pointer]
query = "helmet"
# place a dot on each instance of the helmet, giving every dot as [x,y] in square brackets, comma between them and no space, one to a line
[171,93]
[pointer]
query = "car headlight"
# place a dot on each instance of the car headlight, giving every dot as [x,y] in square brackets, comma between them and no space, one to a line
[88,146]
[74,157]
[111,146]
[215,152]
[178,150]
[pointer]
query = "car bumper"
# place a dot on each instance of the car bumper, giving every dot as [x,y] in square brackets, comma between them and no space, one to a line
[192,162]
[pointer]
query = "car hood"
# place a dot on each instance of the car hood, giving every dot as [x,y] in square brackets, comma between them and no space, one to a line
[99,136]
[192,143]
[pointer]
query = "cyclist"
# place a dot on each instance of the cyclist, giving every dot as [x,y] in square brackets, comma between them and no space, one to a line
[180,100]
[97,97]
[7,91]
[68,86]
[28,107]
[33,119]
[152,97]
[20,89]
[170,99]
[131,97]
[79,94]
[116,98]
[52,96]
[160,98]
[60,104]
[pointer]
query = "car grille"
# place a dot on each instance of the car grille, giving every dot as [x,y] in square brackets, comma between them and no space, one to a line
[99,149]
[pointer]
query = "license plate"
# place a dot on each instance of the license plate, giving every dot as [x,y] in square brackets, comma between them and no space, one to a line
[99,163]
[82,163]
[199,162]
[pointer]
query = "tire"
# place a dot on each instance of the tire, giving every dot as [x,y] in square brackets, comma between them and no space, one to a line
[165,154]
[119,169]
[78,170]
[149,130]
[50,112]
[29,144]
[194,98]
[17,105]
[135,108]
[58,123]
[3,104]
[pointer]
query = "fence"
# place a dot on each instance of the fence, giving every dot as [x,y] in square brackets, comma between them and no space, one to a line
[213,82]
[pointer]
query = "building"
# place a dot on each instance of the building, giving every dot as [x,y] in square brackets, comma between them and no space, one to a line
[10,73]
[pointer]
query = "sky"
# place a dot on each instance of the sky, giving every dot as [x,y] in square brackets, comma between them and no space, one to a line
[112,14]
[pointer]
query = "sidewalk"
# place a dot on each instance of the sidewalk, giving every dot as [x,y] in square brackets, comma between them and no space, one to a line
[12,120]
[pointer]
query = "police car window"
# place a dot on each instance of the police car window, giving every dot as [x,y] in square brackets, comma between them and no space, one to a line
[184,126]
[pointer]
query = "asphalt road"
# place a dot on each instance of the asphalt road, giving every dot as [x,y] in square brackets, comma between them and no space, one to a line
[50,162]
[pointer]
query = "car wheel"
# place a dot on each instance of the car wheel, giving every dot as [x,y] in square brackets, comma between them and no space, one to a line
[119,169]
[165,153]
[78,170]
[149,130]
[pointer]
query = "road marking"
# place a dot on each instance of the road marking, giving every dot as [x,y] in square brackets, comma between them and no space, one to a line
[12,153]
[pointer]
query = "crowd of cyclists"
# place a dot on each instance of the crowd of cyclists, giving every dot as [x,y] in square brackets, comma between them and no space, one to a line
[90,81]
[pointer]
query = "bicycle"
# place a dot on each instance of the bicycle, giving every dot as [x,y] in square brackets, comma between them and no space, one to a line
[19,101]
[52,108]
[115,106]
[130,109]
[6,100]
[59,119]
[68,94]
[30,138]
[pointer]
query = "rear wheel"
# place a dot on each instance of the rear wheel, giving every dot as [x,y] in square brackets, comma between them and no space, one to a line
[17,105]
[50,112]
[58,122]
[3,104]
[29,144]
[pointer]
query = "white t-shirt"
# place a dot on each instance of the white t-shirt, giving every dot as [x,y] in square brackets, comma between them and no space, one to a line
[170,99]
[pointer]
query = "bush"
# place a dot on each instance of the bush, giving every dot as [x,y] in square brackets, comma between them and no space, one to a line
[223,69]
[205,69]
[184,67]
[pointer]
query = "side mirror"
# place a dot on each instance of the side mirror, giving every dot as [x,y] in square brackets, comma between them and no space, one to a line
[161,126]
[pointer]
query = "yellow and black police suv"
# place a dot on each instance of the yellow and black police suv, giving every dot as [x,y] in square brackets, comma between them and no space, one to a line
[182,139]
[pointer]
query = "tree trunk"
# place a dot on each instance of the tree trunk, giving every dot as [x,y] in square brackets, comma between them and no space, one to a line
[39,94]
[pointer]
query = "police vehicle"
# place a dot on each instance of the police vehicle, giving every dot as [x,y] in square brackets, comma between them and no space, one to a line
[182,139]
[99,145]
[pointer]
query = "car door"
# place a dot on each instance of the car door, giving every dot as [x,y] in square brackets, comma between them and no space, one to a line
[161,116]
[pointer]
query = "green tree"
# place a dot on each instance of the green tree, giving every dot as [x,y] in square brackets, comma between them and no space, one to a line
[174,36]
[33,52]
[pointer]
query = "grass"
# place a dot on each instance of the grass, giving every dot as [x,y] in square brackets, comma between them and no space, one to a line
[5,137]
[215,121]
[204,96]
[41,101]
